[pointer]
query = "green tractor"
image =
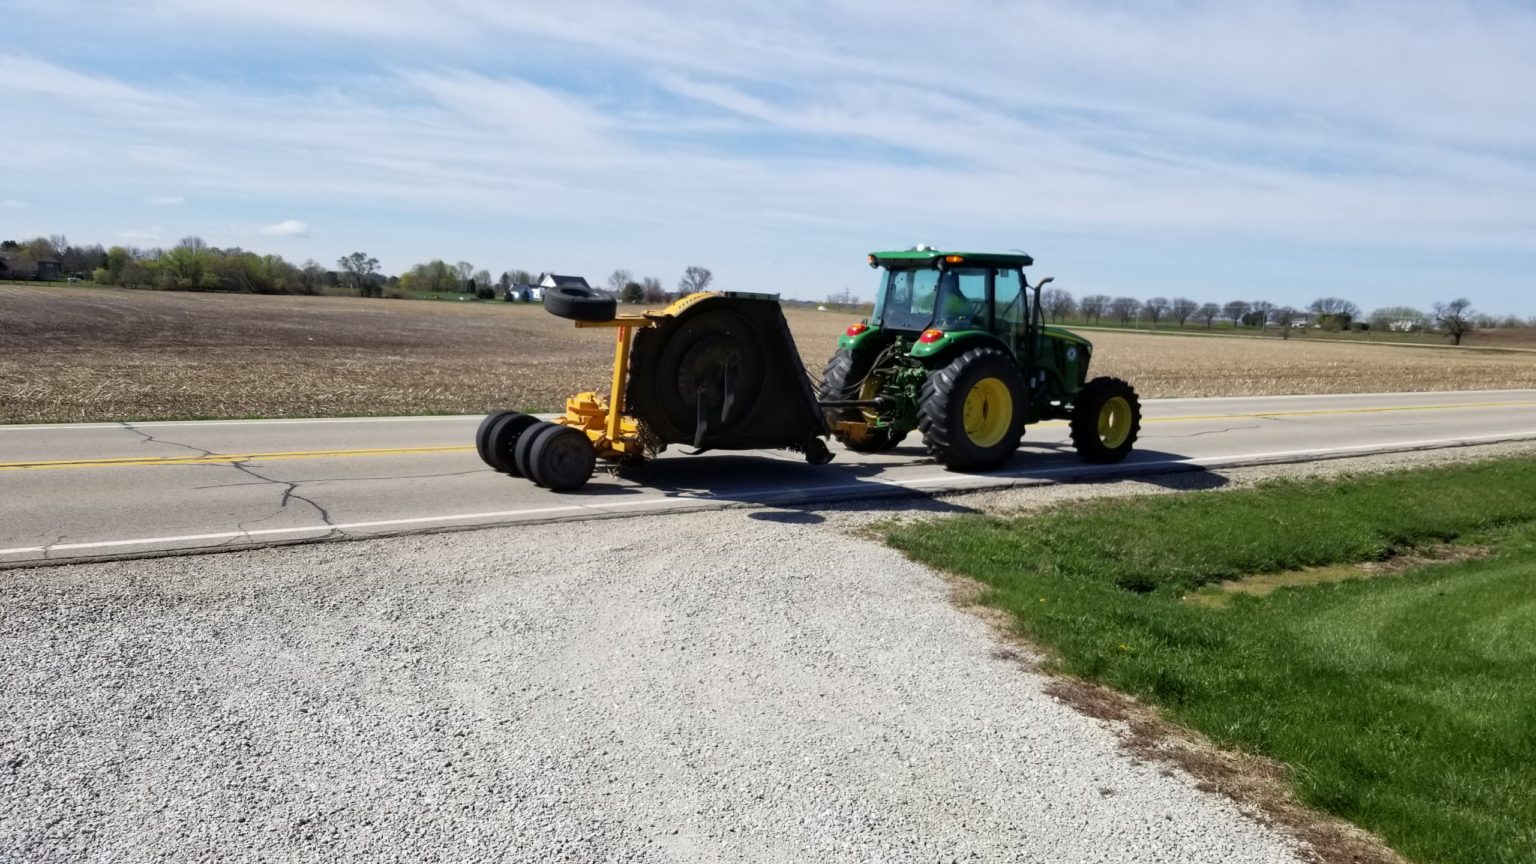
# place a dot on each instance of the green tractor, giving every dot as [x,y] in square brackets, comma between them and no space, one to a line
[957,349]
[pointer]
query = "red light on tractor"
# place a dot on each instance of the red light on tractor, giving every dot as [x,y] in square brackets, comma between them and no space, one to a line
[954,259]
[930,336]
[856,329]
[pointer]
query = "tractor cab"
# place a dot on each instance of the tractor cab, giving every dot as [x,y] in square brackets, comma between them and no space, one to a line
[956,348]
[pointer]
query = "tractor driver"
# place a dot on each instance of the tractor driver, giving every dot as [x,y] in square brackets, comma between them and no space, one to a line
[958,287]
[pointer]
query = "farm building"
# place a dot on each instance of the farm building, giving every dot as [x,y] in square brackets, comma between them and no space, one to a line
[523,293]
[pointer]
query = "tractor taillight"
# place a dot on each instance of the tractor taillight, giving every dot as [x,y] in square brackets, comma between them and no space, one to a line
[856,329]
[930,336]
[954,259]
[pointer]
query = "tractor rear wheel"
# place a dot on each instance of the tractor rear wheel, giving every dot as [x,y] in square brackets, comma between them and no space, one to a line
[561,459]
[842,379]
[973,410]
[1106,418]
[499,439]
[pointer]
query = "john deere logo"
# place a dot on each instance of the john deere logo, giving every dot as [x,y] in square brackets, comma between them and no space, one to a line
[1071,354]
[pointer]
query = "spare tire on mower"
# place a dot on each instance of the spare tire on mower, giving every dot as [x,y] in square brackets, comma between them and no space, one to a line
[579,304]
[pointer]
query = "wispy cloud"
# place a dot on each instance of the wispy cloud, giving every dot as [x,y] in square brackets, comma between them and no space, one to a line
[286,228]
[165,200]
[12,203]
[825,124]
[140,235]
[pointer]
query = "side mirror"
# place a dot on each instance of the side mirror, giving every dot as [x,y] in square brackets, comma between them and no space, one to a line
[1044,282]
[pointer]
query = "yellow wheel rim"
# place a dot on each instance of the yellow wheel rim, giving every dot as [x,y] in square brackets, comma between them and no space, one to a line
[1115,422]
[988,412]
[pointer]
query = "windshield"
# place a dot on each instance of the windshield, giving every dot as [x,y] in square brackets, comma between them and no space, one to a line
[913,299]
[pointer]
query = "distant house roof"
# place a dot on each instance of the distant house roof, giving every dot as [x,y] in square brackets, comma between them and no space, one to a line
[554,280]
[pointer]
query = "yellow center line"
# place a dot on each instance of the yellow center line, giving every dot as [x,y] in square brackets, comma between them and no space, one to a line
[225,458]
[228,458]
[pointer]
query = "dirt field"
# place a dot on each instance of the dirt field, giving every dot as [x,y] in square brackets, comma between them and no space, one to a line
[75,354]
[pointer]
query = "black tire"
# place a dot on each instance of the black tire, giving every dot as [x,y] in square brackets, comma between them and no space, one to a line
[482,436]
[1102,431]
[579,304]
[943,422]
[561,459]
[501,440]
[843,379]
[522,450]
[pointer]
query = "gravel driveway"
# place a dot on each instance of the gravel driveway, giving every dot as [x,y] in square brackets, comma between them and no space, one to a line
[728,686]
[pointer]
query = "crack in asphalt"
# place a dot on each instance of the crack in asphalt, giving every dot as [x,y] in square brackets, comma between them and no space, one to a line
[355,479]
[48,547]
[290,493]
[290,487]
[1206,432]
[150,439]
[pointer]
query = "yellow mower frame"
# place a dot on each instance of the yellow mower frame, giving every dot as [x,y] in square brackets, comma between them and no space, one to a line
[614,434]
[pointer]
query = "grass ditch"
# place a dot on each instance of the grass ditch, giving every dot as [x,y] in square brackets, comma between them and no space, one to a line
[1403,703]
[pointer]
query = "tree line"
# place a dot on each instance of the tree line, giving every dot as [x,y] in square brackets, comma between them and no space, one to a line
[1454,318]
[193,265]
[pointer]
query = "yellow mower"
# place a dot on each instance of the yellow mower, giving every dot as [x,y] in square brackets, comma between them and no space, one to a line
[716,371]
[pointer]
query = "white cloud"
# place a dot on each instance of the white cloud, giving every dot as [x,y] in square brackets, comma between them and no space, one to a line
[165,200]
[700,125]
[137,235]
[12,203]
[286,228]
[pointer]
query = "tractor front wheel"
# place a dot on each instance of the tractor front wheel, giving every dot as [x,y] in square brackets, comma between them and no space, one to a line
[973,410]
[842,380]
[1106,418]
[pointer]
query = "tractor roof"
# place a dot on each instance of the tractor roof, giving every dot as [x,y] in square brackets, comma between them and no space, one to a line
[925,256]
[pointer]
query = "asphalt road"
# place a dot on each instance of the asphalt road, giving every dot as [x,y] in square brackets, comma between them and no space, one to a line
[107,489]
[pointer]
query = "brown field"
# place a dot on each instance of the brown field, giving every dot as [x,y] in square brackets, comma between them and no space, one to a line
[79,354]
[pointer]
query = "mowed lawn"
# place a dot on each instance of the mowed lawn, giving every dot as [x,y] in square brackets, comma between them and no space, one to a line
[70,354]
[1405,702]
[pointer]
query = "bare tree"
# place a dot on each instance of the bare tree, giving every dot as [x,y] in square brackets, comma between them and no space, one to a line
[654,293]
[1057,303]
[1209,312]
[311,277]
[1455,318]
[1236,309]
[695,279]
[360,269]
[1155,309]
[1402,319]
[466,273]
[1092,307]
[616,282]
[1334,313]
[1124,309]
[1182,308]
[1260,313]
[520,277]
[1284,317]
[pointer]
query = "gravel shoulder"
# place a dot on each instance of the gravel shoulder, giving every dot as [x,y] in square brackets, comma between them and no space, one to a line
[728,686]
[739,685]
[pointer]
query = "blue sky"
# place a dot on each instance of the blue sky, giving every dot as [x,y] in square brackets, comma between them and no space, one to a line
[1245,150]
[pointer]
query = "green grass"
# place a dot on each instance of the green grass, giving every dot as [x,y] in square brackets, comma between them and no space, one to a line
[1404,703]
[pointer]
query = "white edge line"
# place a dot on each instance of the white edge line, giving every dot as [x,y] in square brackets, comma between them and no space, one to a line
[957,482]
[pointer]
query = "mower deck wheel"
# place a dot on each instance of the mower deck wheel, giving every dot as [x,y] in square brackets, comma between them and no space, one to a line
[523,449]
[561,459]
[501,440]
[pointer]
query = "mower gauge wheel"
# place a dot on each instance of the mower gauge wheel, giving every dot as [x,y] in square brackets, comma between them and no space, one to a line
[501,437]
[579,304]
[522,450]
[561,459]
